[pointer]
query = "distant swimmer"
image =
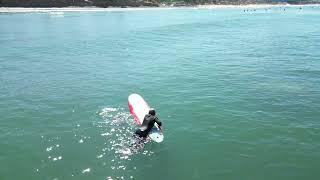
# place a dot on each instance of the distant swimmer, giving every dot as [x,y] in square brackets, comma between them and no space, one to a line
[148,123]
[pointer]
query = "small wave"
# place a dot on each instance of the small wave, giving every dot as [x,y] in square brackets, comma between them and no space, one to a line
[307,72]
[56,14]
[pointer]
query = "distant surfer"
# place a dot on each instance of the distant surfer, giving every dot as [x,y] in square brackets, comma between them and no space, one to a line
[147,124]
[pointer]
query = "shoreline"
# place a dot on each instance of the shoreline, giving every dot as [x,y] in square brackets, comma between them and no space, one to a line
[99,9]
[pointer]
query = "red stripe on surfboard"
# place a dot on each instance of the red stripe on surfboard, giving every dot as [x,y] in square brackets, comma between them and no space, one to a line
[133,114]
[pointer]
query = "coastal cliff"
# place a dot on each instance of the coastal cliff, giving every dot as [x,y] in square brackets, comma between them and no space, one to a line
[139,3]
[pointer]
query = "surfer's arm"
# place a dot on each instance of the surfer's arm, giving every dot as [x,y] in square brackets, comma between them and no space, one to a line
[158,121]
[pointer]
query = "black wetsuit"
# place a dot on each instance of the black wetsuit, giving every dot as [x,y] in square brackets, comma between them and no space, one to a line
[148,123]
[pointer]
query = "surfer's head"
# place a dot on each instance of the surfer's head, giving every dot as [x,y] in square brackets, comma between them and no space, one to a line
[152,112]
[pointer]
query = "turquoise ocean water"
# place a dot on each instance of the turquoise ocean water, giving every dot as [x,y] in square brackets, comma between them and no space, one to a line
[238,93]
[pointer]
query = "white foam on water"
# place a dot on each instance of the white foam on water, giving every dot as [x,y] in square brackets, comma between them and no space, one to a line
[56,13]
[49,148]
[105,134]
[100,156]
[86,170]
[117,128]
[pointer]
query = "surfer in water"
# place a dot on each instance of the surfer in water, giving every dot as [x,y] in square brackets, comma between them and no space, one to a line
[140,135]
[148,123]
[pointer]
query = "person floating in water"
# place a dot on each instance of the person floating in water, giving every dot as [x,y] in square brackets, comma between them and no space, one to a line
[148,123]
[140,135]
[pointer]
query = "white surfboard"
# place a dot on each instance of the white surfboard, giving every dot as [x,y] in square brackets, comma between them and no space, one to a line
[138,109]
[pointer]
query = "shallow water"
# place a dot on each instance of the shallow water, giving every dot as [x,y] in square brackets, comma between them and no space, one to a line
[238,93]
